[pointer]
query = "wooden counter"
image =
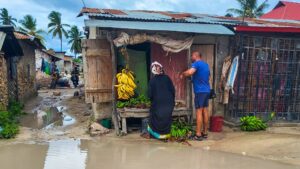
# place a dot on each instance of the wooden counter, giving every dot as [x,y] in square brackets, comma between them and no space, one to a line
[144,113]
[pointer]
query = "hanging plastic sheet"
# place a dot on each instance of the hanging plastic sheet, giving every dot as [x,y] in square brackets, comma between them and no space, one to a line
[232,74]
[224,93]
[168,44]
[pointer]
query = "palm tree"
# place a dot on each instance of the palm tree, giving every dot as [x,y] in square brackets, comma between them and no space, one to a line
[249,8]
[6,19]
[29,26]
[56,27]
[75,37]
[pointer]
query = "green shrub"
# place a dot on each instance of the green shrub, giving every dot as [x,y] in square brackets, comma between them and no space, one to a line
[8,120]
[9,130]
[15,108]
[5,118]
[252,123]
[180,130]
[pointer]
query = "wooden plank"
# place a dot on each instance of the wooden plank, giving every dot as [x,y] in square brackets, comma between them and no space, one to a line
[99,71]
[114,103]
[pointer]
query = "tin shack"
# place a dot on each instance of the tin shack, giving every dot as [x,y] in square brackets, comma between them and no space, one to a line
[147,36]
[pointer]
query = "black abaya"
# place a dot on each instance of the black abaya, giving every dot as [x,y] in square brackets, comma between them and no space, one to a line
[162,95]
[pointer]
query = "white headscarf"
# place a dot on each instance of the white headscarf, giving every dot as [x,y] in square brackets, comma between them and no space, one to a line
[156,68]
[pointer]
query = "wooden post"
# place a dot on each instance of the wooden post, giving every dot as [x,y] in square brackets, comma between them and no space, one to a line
[114,65]
[189,91]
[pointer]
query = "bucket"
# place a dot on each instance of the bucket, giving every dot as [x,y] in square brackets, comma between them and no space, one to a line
[106,123]
[216,123]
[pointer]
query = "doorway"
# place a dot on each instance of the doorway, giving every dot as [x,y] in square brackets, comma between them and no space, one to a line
[208,55]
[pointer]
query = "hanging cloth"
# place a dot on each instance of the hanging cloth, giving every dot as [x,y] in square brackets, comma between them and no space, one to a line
[232,74]
[224,94]
[168,44]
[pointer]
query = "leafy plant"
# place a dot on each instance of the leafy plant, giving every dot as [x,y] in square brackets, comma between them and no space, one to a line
[8,120]
[10,130]
[252,123]
[180,130]
[140,102]
[4,118]
[15,109]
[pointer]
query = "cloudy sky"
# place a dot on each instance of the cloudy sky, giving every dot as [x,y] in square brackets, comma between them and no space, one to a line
[70,8]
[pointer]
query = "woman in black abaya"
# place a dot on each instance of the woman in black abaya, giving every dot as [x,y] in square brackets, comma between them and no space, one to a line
[162,95]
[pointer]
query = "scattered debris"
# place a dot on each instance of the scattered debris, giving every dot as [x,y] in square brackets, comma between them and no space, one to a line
[56,93]
[76,94]
[97,129]
[87,113]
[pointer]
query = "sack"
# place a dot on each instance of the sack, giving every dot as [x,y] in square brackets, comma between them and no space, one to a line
[212,94]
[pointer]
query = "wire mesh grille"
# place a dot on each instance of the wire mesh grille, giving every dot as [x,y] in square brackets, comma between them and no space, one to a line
[267,80]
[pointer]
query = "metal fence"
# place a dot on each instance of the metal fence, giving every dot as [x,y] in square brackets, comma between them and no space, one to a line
[268,79]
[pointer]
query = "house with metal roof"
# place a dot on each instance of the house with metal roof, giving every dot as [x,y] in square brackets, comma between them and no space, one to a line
[284,10]
[267,51]
[147,36]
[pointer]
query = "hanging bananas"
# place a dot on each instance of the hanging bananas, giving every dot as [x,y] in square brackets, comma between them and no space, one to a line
[126,85]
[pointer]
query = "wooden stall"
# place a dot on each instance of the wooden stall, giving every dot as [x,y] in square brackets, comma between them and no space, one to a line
[148,36]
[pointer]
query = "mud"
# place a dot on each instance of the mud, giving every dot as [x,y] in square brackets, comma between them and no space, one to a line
[274,148]
[55,117]
[117,154]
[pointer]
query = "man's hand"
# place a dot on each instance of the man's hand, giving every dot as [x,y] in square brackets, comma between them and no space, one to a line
[181,76]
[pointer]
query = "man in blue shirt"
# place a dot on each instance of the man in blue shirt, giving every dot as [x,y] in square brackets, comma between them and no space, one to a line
[200,77]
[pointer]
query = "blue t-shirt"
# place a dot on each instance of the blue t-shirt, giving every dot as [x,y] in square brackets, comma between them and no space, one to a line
[200,78]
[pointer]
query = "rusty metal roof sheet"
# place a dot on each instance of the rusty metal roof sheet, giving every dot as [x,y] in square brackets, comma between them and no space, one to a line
[164,16]
[22,36]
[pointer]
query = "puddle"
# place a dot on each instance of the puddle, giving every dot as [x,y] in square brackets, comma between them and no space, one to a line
[48,118]
[119,154]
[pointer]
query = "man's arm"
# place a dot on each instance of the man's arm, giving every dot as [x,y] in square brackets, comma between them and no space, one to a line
[188,72]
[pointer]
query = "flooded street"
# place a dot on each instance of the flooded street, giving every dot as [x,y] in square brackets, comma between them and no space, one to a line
[120,154]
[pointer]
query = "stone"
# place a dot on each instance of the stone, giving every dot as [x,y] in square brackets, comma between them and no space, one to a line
[56,93]
[87,113]
[97,129]
[76,93]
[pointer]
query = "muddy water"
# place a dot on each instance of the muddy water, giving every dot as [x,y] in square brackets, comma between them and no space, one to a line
[117,154]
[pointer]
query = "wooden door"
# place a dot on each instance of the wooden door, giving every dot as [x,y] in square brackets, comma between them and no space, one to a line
[98,71]
[138,64]
[208,55]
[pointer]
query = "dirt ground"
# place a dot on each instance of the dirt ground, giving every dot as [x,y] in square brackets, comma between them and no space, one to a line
[76,108]
[277,143]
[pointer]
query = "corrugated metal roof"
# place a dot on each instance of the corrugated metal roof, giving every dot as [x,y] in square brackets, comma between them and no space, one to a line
[161,26]
[2,38]
[23,36]
[284,10]
[162,16]
[177,17]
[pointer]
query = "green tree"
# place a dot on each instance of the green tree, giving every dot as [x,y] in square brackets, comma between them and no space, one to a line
[56,27]
[75,36]
[6,19]
[29,26]
[249,8]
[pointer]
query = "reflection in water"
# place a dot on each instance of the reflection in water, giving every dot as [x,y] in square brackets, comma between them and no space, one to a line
[119,154]
[65,154]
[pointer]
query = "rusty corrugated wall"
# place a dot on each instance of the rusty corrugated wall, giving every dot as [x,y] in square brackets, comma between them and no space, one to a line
[174,64]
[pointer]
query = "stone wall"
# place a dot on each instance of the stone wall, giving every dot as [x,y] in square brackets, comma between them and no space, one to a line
[3,83]
[26,72]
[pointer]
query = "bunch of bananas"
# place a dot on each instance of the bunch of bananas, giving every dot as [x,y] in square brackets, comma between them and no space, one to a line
[126,85]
